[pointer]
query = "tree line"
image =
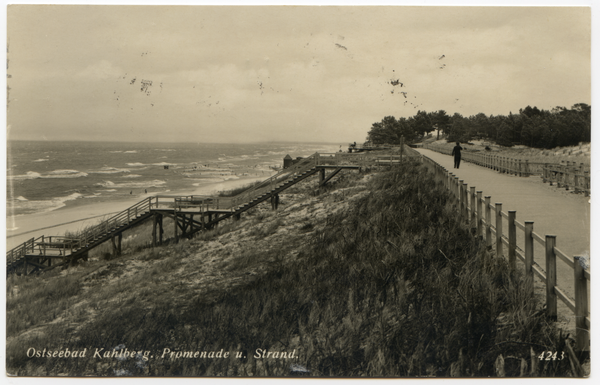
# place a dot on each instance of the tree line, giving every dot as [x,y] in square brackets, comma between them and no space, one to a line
[532,127]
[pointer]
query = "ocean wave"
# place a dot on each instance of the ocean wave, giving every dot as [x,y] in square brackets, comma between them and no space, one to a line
[130,152]
[136,164]
[28,175]
[237,158]
[64,174]
[56,174]
[42,160]
[110,170]
[21,207]
[146,184]
[164,164]
[131,176]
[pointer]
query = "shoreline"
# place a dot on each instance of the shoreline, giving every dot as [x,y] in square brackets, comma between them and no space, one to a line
[76,214]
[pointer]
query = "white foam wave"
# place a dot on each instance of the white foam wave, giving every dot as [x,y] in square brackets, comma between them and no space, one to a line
[110,170]
[28,175]
[42,206]
[136,164]
[113,185]
[64,174]
[42,160]
[130,152]
[56,174]
[131,176]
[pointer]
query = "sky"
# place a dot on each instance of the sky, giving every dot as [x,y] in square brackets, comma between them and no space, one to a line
[281,73]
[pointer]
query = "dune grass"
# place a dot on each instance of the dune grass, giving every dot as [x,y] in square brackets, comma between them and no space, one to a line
[393,287]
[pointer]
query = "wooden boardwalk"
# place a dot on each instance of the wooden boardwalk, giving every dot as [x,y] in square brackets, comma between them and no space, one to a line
[191,214]
[506,224]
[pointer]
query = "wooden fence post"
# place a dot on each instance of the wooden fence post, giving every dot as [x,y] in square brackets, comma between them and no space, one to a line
[551,305]
[488,221]
[529,253]
[498,229]
[154,224]
[582,333]
[512,240]
[176,223]
[463,200]
[455,186]
[473,220]
[460,197]
[479,214]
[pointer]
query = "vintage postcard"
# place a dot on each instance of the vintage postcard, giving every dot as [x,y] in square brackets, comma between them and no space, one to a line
[298,191]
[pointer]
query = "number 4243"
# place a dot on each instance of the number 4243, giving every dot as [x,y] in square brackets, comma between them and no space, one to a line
[547,356]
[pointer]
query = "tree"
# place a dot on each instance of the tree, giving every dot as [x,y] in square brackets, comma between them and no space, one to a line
[422,123]
[440,120]
[386,131]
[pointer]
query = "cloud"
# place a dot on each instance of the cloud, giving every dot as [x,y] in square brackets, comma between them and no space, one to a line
[101,70]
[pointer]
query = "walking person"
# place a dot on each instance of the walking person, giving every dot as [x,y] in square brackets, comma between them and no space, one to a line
[456,153]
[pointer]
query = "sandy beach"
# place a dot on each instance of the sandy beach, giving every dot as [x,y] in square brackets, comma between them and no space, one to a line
[84,212]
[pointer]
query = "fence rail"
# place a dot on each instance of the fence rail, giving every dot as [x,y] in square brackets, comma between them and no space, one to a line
[568,176]
[487,221]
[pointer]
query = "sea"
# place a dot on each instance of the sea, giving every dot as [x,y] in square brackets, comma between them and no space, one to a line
[44,176]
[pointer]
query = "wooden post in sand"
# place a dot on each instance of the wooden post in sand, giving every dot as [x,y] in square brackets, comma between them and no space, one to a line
[498,229]
[582,331]
[176,225]
[512,240]
[529,254]
[154,223]
[551,305]
[488,221]
[479,214]
[473,221]
[460,197]
[160,229]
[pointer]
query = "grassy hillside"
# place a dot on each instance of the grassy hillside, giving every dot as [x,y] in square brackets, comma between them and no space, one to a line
[371,276]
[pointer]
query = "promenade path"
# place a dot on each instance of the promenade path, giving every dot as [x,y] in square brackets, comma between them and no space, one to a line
[554,211]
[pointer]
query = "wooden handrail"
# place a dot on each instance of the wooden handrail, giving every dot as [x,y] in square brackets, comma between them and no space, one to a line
[125,217]
[582,275]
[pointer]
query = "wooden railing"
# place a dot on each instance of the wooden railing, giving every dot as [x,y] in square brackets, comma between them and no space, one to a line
[487,220]
[499,163]
[49,245]
[23,249]
[44,245]
[571,175]
[568,176]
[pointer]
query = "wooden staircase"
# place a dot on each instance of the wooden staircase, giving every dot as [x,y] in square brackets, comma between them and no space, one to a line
[39,253]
